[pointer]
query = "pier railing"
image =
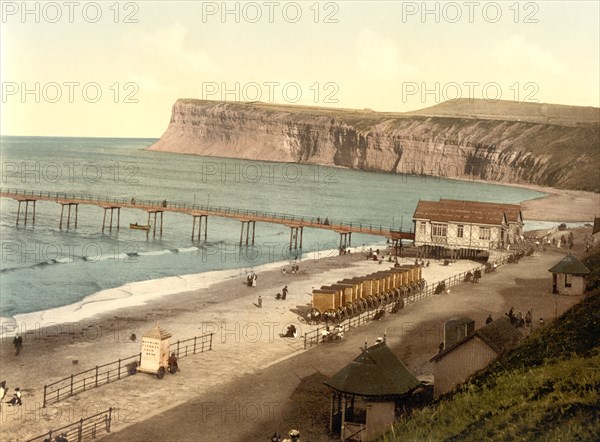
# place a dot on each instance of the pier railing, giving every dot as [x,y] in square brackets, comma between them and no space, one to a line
[85,429]
[173,206]
[113,371]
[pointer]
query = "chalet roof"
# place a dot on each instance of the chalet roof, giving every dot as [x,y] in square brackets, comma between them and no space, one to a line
[499,335]
[478,212]
[569,265]
[376,372]
[157,333]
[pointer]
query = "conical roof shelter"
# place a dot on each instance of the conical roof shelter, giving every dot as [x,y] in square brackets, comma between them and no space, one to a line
[376,372]
[570,265]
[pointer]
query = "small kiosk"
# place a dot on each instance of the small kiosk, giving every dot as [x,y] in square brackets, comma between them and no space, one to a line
[155,352]
[568,276]
[369,394]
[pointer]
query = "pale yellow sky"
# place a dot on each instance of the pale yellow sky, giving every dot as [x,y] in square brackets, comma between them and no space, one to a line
[115,69]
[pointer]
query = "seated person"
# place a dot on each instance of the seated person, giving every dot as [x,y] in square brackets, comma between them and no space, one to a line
[172,361]
[290,332]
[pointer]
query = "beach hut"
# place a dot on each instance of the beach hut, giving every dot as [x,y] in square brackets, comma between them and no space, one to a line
[457,362]
[368,393]
[568,276]
[155,351]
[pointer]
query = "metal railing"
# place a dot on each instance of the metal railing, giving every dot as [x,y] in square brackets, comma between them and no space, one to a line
[106,373]
[314,337]
[189,208]
[85,429]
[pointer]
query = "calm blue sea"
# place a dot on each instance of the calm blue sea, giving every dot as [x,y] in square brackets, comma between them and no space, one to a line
[45,267]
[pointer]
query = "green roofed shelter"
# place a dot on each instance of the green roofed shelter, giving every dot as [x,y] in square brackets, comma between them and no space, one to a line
[568,276]
[381,382]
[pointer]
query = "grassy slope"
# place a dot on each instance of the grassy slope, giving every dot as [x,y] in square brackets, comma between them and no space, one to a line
[548,388]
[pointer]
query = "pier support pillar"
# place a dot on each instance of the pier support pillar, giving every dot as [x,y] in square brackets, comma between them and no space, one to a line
[26,201]
[62,212]
[200,217]
[112,210]
[247,225]
[296,232]
[160,232]
[344,237]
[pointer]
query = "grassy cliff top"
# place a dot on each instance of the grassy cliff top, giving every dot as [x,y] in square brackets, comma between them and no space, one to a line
[554,114]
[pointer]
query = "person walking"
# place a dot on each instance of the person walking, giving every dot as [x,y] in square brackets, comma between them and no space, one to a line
[284,293]
[18,343]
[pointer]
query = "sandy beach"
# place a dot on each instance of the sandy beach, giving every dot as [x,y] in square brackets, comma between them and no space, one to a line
[559,205]
[246,339]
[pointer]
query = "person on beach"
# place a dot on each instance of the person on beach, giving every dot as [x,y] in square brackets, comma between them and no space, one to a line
[489,320]
[254,277]
[172,361]
[528,318]
[16,399]
[284,293]
[18,343]
[3,390]
[259,301]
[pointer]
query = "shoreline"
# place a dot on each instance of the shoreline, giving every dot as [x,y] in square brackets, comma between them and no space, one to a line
[556,206]
[145,293]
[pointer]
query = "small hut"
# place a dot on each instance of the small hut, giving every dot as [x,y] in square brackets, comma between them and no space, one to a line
[369,393]
[568,276]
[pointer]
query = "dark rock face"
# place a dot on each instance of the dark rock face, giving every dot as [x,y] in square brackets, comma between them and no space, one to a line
[499,150]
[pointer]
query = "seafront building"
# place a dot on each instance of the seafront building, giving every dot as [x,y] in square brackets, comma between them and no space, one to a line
[460,229]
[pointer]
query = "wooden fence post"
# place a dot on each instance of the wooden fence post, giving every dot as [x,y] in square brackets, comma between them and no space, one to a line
[71,386]
[108,420]
[211,337]
[119,370]
[44,402]
[96,375]
[80,430]
[194,344]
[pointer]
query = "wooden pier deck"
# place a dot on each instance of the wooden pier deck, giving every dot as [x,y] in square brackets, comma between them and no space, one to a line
[248,218]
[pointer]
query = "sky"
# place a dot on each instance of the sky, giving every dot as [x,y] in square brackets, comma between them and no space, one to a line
[114,69]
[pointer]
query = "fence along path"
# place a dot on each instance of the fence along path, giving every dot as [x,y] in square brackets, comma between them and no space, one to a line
[84,429]
[112,371]
[314,337]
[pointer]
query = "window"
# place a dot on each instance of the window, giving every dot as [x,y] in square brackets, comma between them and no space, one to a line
[567,280]
[422,228]
[485,232]
[461,231]
[439,229]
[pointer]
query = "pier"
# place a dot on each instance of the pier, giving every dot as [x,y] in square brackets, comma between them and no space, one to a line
[156,210]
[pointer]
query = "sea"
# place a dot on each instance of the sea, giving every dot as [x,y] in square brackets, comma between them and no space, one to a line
[60,275]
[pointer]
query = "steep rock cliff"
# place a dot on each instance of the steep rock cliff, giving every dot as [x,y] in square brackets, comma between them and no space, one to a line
[549,148]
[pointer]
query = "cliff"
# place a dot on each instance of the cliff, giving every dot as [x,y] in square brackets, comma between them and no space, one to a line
[549,145]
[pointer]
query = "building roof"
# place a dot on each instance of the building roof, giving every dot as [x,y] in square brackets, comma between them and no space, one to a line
[477,212]
[499,335]
[376,372]
[157,333]
[569,265]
